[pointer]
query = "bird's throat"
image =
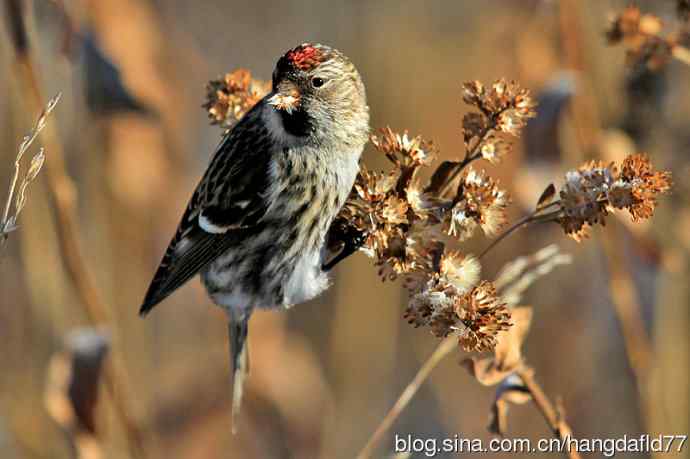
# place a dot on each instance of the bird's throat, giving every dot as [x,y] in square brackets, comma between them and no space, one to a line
[297,123]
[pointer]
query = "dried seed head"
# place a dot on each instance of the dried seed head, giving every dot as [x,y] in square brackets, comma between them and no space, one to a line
[460,271]
[229,98]
[624,26]
[583,197]
[426,304]
[592,191]
[641,35]
[479,202]
[482,315]
[644,185]
[402,222]
[403,150]
[493,149]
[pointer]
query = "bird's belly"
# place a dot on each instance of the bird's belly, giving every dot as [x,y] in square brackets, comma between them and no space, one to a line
[306,281]
[279,264]
[259,274]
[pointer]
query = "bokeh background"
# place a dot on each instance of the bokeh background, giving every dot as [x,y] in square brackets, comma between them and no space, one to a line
[325,373]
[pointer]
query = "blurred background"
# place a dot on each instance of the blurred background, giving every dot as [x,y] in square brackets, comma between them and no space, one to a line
[135,140]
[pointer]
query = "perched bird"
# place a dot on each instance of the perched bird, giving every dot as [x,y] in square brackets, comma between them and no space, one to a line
[256,225]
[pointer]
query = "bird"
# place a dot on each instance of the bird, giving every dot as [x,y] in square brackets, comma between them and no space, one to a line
[256,226]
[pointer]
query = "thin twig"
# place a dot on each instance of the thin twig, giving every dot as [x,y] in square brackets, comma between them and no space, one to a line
[10,193]
[442,350]
[551,415]
[520,223]
[553,418]
[531,218]
[473,153]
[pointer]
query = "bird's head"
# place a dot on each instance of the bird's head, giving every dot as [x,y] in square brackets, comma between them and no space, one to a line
[320,92]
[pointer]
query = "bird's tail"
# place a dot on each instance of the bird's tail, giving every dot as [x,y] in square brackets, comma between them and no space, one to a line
[239,360]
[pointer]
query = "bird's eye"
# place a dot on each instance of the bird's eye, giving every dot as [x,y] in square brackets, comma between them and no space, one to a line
[317,82]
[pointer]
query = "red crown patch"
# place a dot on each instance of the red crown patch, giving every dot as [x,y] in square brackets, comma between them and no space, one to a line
[305,57]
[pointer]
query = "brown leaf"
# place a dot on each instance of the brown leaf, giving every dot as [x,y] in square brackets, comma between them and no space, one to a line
[406,176]
[513,391]
[440,176]
[508,353]
[485,371]
[546,196]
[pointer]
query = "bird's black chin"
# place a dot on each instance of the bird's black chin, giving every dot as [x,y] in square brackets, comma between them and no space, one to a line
[297,122]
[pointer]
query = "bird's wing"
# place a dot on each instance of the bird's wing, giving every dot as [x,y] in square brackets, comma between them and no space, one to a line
[228,201]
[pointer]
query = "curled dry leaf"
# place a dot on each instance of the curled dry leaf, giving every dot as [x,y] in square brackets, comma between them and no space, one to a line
[484,370]
[508,352]
[546,196]
[511,390]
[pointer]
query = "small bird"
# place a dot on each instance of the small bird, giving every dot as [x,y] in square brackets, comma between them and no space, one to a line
[256,225]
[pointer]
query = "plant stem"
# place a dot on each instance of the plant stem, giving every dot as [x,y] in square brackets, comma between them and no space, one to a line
[10,194]
[441,351]
[523,221]
[531,218]
[556,423]
[551,415]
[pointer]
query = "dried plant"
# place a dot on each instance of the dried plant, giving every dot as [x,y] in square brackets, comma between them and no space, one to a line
[506,368]
[411,229]
[594,190]
[642,36]
[230,97]
[406,226]
[11,213]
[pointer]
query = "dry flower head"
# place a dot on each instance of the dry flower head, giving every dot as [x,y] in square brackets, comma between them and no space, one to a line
[406,225]
[642,36]
[228,98]
[591,192]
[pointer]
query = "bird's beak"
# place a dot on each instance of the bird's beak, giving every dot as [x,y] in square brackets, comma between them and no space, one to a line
[286,97]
